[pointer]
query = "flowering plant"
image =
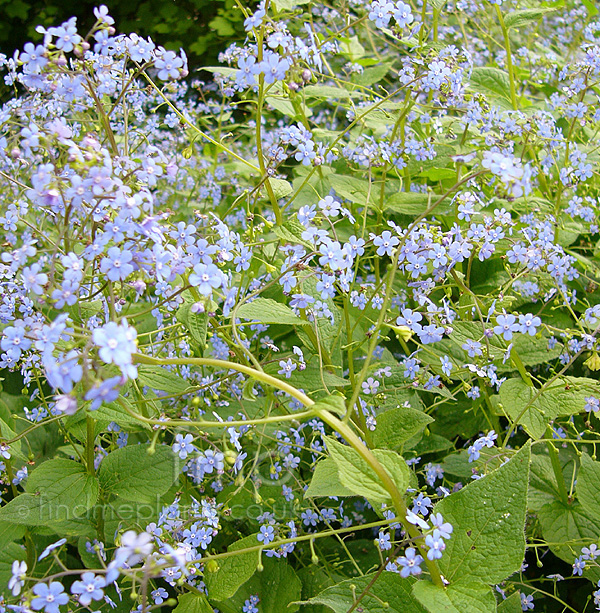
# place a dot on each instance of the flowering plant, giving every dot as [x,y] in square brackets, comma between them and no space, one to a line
[319,334]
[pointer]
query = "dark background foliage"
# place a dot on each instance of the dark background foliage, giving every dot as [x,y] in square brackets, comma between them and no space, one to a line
[202,28]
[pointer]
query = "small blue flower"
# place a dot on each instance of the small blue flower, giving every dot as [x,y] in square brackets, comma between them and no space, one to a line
[49,597]
[89,588]
[183,445]
[266,534]
[410,562]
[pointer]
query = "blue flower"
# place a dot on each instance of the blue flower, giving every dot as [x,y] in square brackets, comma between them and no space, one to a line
[206,277]
[266,534]
[106,391]
[51,548]
[286,367]
[183,445]
[436,545]
[89,588]
[410,562]
[446,365]
[273,67]
[431,334]
[383,541]
[116,265]
[49,597]
[385,243]
[528,324]
[17,580]
[370,386]
[116,345]
[506,326]
[526,601]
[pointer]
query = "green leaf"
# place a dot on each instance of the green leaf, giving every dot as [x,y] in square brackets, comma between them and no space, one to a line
[462,597]
[356,475]
[351,48]
[7,555]
[542,482]
[567,528]
[268,311]
[130,473]
[196,323]
[437,4]
[7,433]
[159,378]
[103,416]
[389,588]
[563,397]
[9,533]
[511,605]
[588,486]
[414,203]
[516,396]
[352,188]
[233,571]
[516,19]
[334,403]
[57,490]
[288,5]
[438,174]
[291,232]
[372,75]
[591,7]
[325,481]
[325,92]
[281,188]
[193,603]
[491,81]
[396,426]
[277,586]
[488,516]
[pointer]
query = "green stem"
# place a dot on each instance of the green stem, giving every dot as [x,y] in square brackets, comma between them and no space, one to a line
[247,370]
[509,62]
[516,360]
[342,428]
[367,455]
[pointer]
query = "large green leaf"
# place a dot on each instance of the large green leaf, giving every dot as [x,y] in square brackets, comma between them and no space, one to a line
[356,474]
[193,603]
[131,473]
[269,311]
[159,378]
[488,516]
[325,481]
[414,203]
[8,555]
[233,571]
[588,486]
[525,17]
[396,426]
[196,323]
[561,398]
[511,605]
[462,597]
[491,81]
[568,528]
[277,586]
[57,490]
[390,593]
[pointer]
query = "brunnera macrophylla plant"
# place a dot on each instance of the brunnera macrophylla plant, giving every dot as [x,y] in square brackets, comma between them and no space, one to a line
[317,334]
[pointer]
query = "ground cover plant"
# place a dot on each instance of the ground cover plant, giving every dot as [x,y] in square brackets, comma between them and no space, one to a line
[317,334]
